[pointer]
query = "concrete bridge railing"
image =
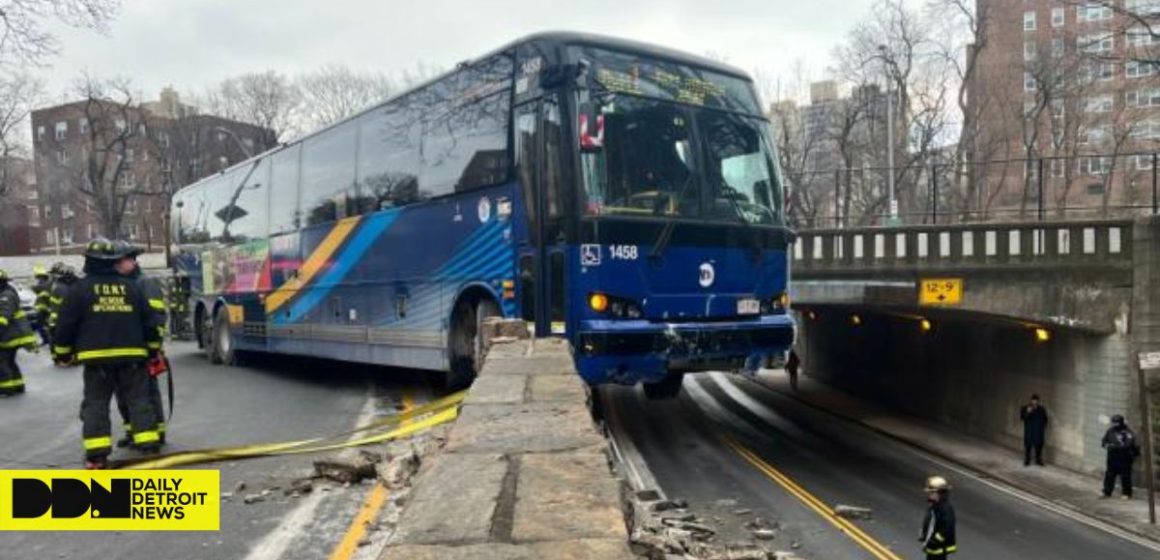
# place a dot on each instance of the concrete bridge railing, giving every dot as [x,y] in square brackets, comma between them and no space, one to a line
[1037,245]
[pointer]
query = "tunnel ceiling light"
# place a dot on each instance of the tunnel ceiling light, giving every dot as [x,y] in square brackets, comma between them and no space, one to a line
[925,325]
[855,319]
[811,315]
[1042,334]
[598,302]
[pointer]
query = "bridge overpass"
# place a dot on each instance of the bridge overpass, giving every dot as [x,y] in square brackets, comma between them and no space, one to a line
[1054,308]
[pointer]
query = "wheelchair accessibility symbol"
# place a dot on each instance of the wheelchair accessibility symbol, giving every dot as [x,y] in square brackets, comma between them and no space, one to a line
[590,254]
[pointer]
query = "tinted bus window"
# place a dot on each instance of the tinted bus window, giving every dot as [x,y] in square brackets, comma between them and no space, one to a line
[284,215]
[388,156]
[249,218]
[465,134]
[219,211]
[328,174]
[189,205]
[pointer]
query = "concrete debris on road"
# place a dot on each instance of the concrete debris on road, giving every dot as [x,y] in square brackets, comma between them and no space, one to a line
[398,469]
[239,487]
[299,487]
[764,534]
[253,498]
[665,505]
[345,470]
[852,512]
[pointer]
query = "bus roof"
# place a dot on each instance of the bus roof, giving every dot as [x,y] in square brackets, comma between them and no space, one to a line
[560,38]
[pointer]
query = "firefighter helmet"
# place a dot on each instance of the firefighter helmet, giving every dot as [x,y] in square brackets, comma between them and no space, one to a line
[3,275]
[39,271]
[937,484]
[101,248]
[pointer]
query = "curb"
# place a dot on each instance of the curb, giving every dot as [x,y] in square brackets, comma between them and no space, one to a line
[965,466]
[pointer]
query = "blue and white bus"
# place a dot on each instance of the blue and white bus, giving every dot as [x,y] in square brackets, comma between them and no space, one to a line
[620,194]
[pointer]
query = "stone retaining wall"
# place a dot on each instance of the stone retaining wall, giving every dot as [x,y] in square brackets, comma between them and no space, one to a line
[525,473]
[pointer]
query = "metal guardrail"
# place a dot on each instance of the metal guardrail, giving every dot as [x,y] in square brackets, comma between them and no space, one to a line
[1087,242]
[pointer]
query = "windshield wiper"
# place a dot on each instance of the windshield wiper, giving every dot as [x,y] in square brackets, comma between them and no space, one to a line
[666,235]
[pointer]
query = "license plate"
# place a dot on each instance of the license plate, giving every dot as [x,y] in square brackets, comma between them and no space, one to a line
[748,306]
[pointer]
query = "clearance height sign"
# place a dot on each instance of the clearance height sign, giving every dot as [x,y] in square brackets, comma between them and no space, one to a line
[81,500]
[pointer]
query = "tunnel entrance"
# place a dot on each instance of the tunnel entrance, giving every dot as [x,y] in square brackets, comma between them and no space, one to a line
[973,372]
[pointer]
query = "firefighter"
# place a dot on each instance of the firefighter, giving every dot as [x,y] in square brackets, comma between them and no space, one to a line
[106,326]
[1122,448]
[65,277]
[156,299]
[41,289]
[938,526]
[178,310]
[15,333]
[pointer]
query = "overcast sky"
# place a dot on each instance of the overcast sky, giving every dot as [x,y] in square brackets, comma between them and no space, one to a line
[192,43]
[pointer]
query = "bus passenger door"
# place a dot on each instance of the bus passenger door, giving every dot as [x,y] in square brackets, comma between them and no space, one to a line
[543,258]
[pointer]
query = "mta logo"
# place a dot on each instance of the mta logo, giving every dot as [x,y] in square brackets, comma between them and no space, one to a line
[69,498]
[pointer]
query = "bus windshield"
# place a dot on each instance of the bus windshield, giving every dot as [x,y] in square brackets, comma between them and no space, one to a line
[655,158]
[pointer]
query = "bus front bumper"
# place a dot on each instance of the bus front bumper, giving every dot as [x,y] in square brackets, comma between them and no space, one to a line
[629,352]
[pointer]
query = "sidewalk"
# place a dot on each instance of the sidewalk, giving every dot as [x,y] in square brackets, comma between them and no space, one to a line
[1071,490]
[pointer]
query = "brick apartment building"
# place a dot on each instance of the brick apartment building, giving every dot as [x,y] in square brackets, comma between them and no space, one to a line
[140,155]
[17,196]
[1073,85]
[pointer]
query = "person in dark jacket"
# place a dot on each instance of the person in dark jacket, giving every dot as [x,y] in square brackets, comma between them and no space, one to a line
[1122,448]
[40,289]
[105,324]
[64,278]
[792,364]
[156,299]
[1034,417]
[15,333]
[938,525]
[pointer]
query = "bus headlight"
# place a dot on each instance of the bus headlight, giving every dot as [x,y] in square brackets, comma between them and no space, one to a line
[598,302]
[777,304]
[618,307]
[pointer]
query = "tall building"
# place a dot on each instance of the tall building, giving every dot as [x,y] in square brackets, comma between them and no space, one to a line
[17,198]
[1068,101]
[832,150]
[99,162]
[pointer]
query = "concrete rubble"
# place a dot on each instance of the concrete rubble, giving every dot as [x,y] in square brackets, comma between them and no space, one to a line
[852,512]
[666,529]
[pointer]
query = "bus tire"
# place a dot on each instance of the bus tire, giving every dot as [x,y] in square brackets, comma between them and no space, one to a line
[667,388]
[466,341]
[224,348]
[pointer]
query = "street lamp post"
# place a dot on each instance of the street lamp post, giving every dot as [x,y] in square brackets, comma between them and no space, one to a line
[893,219]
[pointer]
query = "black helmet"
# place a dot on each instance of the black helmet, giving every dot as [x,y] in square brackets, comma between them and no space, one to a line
[1117,419]
[126,249]
[67,270]
[101,248]
[57,268]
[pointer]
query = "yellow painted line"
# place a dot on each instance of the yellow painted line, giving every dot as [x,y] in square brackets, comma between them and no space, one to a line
[321,255]
[371,506]
[875,548]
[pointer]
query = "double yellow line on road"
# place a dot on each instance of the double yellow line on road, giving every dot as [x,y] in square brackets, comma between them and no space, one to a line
[875,548]
[373,503]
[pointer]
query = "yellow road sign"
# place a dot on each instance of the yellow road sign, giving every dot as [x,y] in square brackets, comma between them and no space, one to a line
[940,291]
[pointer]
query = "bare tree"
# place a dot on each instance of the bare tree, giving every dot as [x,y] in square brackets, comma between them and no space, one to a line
[25,37]
[335,92]
[266,99]
[19,93]
[115,130]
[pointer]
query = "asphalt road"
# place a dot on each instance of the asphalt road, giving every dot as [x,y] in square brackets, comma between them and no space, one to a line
[682,447]
[276,399]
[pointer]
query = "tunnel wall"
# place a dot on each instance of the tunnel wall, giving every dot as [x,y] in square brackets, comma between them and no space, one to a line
[974,376]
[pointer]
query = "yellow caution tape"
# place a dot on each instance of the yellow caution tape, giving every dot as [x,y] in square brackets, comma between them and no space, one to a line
[436,413]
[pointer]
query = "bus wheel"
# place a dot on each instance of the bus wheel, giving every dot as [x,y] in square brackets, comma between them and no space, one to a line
[462,340]
[467,342]
[667,388]
[224,351]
